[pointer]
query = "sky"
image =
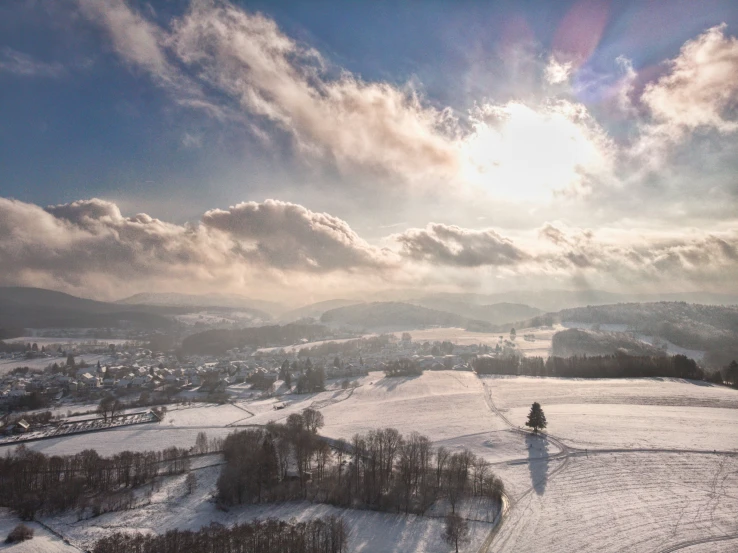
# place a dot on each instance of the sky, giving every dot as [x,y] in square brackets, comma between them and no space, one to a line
[301,151]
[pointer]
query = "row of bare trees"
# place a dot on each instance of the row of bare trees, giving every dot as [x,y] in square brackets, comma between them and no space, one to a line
[273,463]
[31,481]
[381,469]
[326,535]
[391,472]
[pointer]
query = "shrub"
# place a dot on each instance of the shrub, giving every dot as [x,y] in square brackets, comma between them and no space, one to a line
[19,533]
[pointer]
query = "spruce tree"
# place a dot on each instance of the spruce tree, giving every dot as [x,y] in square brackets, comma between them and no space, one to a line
[536,418]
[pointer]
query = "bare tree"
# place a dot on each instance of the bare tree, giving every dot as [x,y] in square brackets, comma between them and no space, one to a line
[109,407]
[201,443]
[456,531]
[191,482]
[313,419]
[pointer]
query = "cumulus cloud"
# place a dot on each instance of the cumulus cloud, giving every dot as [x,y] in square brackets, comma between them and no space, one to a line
[642,259]
[89,245]
[19,63]
[699,90]
[285,250]
[451,245]
[612,259]
[289,236]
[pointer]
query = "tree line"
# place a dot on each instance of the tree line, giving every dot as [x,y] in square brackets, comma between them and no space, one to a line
[381,469]
[402,367]
[321,535]
[349,348]
[602,366]
[31,482]
[221,340]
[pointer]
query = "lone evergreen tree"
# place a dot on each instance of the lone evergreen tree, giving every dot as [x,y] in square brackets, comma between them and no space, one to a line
[536,418]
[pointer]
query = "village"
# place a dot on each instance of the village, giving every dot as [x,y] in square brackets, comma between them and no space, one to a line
[71,378]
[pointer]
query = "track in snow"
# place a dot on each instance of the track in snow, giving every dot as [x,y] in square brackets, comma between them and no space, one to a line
[690,543]
[566,452]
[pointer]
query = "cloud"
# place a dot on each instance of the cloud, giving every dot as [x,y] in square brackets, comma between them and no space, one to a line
[441,244]
[259,71]
[642,259]
[19,63]
[558,72]
[142,45]
[89,246]
[257,75]
[619,260]
[288,236]
[698,92]
[286,251]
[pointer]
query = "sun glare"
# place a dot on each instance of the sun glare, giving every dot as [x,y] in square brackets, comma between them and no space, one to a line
[518,152]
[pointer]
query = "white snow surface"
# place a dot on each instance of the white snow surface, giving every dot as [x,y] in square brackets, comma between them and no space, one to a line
[43,541]
[540,347]
[647,482]
[7,365]
[171,507]
[625,413]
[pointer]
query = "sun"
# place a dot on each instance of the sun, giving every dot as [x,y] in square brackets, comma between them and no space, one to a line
[518,152]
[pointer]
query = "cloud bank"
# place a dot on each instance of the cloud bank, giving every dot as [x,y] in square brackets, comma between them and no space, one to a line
[288,251]
[90,246]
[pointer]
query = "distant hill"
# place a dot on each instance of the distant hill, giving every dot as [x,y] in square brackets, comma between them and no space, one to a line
[709,328]
[214,342]
[496,313]
[571,342]
[315,310]
[553,300]
[687,325]
[265,309]
[396,316]
[40,308]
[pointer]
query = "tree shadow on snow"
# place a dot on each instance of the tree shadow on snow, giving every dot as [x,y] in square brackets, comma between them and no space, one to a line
[394,381]
[538,458]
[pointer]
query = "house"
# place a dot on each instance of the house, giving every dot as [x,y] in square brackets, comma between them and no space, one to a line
[89,381]
[21,427]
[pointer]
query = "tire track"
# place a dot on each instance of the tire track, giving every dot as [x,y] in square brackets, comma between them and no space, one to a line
[690,543]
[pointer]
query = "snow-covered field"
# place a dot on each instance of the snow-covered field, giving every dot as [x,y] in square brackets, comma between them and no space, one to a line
[635,502]
[67,341]
[219,317]
[625,413]
[540,347]
[297,347]
[7,365]
[654,492]
[447,406]
[43,541]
